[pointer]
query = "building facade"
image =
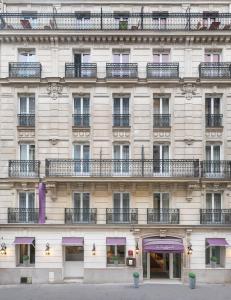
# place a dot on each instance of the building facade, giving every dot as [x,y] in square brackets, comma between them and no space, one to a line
[115,140]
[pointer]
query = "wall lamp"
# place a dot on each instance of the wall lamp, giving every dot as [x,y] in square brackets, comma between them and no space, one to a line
[47,249]
[137,248]
[3,249]
[190,250]
[93,250]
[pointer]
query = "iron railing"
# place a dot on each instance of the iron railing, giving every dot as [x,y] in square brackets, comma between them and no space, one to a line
[23,215]
[26,120]
[213,120]
[139,21]
[215,216]
[121,120]
[163,70]
[164,216]
[84,70]
[121,215]
[161,121]
[220,169]
[215,70]
[124,168]
[123,70]
[24,168]
[25,70]
[80,215]
[81,120]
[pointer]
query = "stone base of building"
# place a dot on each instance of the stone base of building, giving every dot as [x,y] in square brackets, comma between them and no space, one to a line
[210,275]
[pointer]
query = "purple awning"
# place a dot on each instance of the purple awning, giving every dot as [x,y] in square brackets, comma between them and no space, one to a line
[42,202]
[221,242]
[163,245]
[112,241]
[23,240]
[72,241]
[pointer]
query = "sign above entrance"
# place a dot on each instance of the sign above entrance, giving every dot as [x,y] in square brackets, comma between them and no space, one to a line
[163,245]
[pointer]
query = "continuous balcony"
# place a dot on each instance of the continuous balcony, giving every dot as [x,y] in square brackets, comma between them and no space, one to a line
[213,121]
[163,216]
[121,216]
[27,120]
[161,120]
[25,70]
[81,120]
[216,169]
[219,70]
[23,215]
[80,215]
[24,168]
[215,216]
[163,70]
[124,70]
[121,120]
[84,70]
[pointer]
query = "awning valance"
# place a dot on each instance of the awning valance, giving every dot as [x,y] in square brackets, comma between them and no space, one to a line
[23,240]
[220,242]
[163,245]
[115,241]
[72,241]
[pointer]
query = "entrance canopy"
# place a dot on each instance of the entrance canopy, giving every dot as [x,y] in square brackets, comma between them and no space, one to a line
[163,245]
[72,241]
[220,242]
[23,240]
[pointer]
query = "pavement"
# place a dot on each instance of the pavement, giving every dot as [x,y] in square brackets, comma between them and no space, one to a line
[79,291]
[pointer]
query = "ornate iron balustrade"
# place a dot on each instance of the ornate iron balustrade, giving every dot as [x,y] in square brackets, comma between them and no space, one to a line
[215,216]
[163,70]
[81,120]
[25,70]
[215,70]
[161,121]
[123,168]
[26,120]
[121,120]
[213,120]
[109,21]
[163,216]
[122,70]
[24,168]
[80,215]
[23,215]
[84,70]
[121,215]
[220,169]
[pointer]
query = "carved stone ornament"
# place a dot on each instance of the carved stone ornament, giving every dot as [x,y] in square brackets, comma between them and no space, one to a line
[189,90]
[54,90]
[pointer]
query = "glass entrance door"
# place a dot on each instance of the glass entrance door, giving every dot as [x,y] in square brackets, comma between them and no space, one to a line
[159,265]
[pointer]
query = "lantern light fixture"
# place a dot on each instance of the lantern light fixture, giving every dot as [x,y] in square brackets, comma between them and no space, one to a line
[137,248]
[93,250]
[3,248]
[47,249]
[190,250]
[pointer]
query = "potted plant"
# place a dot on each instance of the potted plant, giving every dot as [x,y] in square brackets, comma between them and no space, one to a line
[213,261]
[192,280]
[123,25]
[25,260]
[115,260]
[136,277]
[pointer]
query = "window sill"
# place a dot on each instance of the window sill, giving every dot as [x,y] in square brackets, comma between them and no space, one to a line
[212,268]
[23,266]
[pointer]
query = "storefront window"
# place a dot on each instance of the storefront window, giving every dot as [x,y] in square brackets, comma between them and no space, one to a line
[116,255]
[26,254]
[74,253]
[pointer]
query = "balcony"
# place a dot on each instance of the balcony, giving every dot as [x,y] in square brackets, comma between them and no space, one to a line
[216,169]
[161,121]
[163,70]
[121,216]
[163,216]
[85,70]
[80,215]
[215,70]
[215,216]
[121,120]
[25,70]
[81,120]
[122,168]
[27,120]
[24,168]
[23,215]
[129,71]
[213,121]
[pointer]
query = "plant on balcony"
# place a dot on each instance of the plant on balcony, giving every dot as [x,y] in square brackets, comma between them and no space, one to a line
[123,25]
[115,260]
[25,260]
[213,261]
[192,280]
[136,277]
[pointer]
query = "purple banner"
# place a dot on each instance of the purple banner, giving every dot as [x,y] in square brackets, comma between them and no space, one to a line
[220,242]
[42,203]
[163,245]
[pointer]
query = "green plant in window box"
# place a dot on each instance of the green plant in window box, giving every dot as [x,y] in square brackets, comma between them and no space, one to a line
[123,25]
[213,261]
[192,280]
[25,260]
[115,260]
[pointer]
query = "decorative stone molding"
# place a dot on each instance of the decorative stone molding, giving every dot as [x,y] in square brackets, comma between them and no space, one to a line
[121,133]
[25,134]
[163,233]
[54,141]
[54,90]
[214,134]
[81,133]
[188,90]
[161,134]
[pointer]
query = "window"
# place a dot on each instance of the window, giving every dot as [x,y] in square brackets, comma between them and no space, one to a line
[213,160]
[27,212]
[209,17]
[161,159]
[27,152]
[161,116]
[83,20]
[26,254]
[121,20]
[29,19]
[27,158]
[81,63]
[160,19]
[81,157]
[212,57]
[121,158]
[161,201]
[74,253]
[81,111]
[214,251]
[81,202]
[161,57]
[116,255]
[26,111]
[26,56]
[212,112]
[121,111]
[213,208]
[161,67]
[121,203]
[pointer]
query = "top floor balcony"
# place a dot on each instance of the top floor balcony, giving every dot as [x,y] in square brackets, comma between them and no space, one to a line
[216,70]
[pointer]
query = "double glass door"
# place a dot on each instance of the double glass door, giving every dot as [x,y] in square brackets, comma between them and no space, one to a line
[81,68]
[161,207]
[213,207]
[81,207]
[26,207]
[121,111]
[81,111]
[26,110]
[27,159]
[121,208]
[81,159]
[121,67]
[121,159]
[161,160]
[213,160]
[27,69]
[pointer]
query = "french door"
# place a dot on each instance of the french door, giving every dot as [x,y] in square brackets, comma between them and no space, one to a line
[27,57]
[121,111]
[213,160]
[161,112]
[80,61]
[27,158]
[213,205]
[213,58]
[26,110]
[161,160]
[81,157]
[121,159]
[121,206]
[212,111]
[26,207]
[161,207]
[161,59]
[121,68]
[81,111]
[81,203]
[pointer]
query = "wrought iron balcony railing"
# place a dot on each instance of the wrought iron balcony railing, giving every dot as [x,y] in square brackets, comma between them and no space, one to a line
[123,168]
[163,70]
[24,168]
[220,169]
[85,21]
[215,216]
[84,70]
[161,121]
[80,215]
[23,215]
[122,70]
[27,120]
[121,215]
[81,120]
[213,120]
[215,70]
[164,216]
[25,70]
[121,120]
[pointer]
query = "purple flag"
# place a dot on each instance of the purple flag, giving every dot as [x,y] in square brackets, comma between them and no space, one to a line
[42,202]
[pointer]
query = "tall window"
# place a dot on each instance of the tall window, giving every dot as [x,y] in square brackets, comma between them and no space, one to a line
[81,111]
[25,254]
[213,157]
[160,19]
[81,61]
[81,203]
[27,158]
[121,20]
[121,111]
[161,117]
[74,253]
[121,158]
[27,213]
[116,255]
[212,57]
[81,157]
[26,110]
[212,112]
[121,203]
[121,67]
[26,56]
[161,57]
[161,159]
[83,19]
[27,59]
[213,207]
